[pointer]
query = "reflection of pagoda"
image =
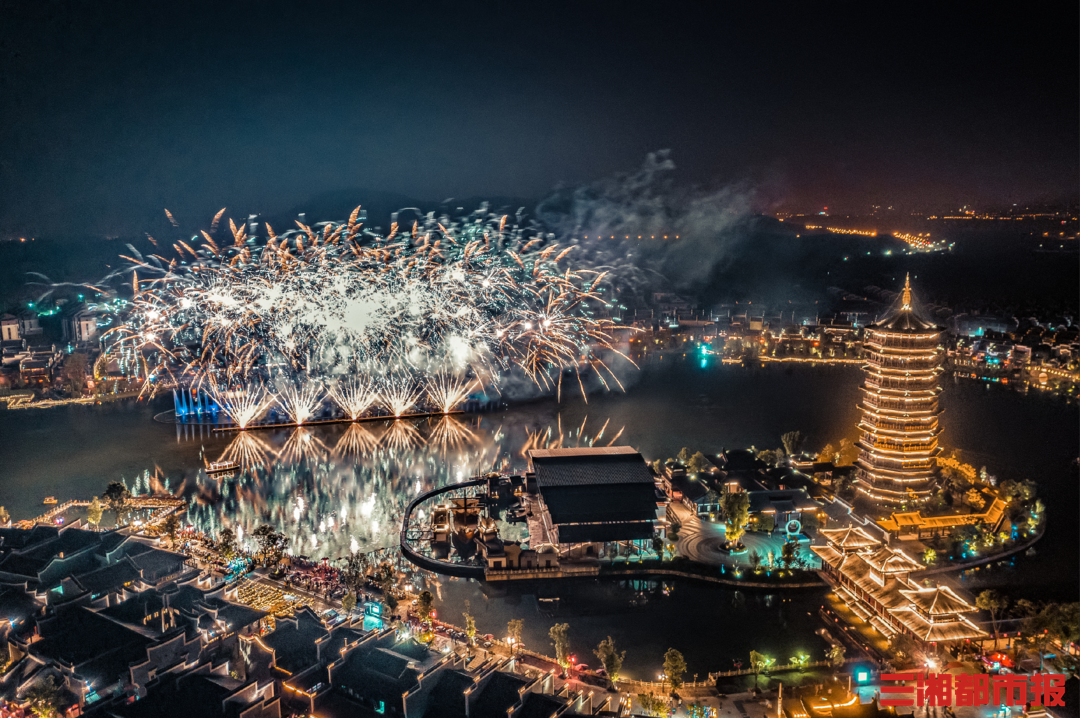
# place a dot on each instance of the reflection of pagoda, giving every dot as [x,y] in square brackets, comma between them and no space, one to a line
[900,405]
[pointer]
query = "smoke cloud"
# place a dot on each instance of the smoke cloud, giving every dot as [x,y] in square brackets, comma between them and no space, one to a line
[646,232]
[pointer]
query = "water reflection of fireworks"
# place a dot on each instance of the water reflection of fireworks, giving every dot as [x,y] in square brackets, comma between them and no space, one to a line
[355,442]
[339,488]
[302,445]
[402,436]
[248,450]
[452,433]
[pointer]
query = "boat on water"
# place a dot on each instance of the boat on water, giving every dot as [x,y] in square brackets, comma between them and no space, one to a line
[50,500]
[221,467]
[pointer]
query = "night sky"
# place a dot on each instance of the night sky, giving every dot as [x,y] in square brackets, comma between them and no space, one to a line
[112,111]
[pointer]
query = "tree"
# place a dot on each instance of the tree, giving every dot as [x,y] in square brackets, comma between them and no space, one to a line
[755,560]
[792,441]
[684,456]
[610,657]
[788,553]
[674,668]
[766,523]
[5,517]
[514,629]
[658,546]
[698,463]
[117,495]
[355,572]
[758,663]
[827,454]
[903,646]
[769,457]
[348,602]
[424,604]
[560,638]
[929,557]
[993,602]
[170,527]
[800,660]
[75,372]
[847,453]
[835,656]
[651,705]
[271,544]
[470,624]
[44,697]
[974,499]
[658,467]
[737,510]
[94,511]
[226,543]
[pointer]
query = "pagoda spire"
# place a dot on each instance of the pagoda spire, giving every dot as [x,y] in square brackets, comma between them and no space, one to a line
[906,300]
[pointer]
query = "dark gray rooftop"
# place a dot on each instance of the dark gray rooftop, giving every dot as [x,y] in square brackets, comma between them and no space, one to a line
[591,470]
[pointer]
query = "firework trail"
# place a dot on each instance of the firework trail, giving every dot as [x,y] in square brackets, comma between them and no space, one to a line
[399,393]
[449,303]
[242,404]
[355,395]
[299,398]
[447,391]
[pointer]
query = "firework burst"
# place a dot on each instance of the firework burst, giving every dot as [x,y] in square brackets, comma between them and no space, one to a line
[299,399]
[452,303]
[355,395]
[447,391]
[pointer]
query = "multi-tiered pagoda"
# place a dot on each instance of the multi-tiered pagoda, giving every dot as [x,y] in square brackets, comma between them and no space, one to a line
[900,405]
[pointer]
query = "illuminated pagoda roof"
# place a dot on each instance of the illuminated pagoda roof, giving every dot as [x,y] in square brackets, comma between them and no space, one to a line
[850,538]
[906,314]
[930,631]
[937,601]
[887,560]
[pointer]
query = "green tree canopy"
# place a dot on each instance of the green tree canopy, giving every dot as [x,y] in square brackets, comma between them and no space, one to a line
[226,542]
[610,657]
[737,511]
[651,705]
[759,662]
[560,638]
[674,668]
[835,656]
[170,527]
[44,697]
[424,603]
[992,602]
[698,463]
[94,511]
[792,441]
[514,629]
[117,495]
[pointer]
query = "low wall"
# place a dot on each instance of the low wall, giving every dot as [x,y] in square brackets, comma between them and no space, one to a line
[615,573]
[982,560]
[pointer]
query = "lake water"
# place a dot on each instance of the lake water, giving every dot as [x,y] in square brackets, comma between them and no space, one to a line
[333,488]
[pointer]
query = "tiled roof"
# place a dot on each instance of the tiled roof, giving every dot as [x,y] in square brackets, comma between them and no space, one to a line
[591,469]
[887,560]
[936,631]
[849,538]
[591,504]
[940,600]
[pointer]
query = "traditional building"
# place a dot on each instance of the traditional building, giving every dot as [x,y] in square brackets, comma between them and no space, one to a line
[875,582]
[896,463]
